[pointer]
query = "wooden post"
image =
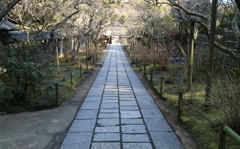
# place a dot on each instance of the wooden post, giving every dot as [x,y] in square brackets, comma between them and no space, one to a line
[151,76]
[136,62]
[222,137]
[86,64]
[211,51]
[132,60]
[96,57]
[61,47]
[80,69]
[180,98]
[87,49]
[57,55]
[162,86]
[57,93]
[144,70]
[92,61]
[71,75]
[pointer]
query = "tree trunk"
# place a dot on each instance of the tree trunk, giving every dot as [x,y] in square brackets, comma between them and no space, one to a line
[190,59]
[73,50]
[95,57]
[87,49]
[211,51]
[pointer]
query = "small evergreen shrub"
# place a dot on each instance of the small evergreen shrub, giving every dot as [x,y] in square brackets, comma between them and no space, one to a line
[26,69]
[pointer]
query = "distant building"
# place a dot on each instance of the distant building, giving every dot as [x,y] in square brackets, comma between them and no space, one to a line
[5,27]
[18,36]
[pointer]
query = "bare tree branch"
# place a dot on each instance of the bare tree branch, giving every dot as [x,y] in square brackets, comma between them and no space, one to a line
[8,8]
[204,20]
[230,52]
[68,17]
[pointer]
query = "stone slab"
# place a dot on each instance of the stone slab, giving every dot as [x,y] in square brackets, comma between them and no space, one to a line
[83,125]
[107,129]
[137,146]
[87,114]
[108,110]
[159,124]
[90,105]
[129,108]
[152,113]
[134,129]
[106,145]
[108,116]
[135,138]
[166,140]
[130,114]
[106,137]
[128,103]
[109,105]
[77,141]
[108,122]
[131,121]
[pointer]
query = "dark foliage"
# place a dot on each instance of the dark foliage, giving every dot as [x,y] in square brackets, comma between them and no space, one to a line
[25,69]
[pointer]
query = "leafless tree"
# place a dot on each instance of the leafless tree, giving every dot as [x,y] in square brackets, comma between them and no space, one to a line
[44,15]
[200,14]
[7,6]
[95,19]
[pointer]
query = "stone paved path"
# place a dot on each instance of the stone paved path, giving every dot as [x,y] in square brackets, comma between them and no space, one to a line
[119,113]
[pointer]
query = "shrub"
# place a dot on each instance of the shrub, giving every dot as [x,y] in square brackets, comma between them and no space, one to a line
[142,54]
[225,95]
[163,52]
[27,69]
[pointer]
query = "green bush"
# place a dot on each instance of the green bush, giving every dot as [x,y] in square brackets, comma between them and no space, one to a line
[25,69]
